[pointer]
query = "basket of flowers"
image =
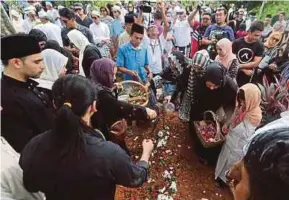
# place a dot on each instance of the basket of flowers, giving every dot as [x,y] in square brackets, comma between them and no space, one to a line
[134,93]
[209,131]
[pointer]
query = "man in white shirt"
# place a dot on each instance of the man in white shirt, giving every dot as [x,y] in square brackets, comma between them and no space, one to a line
[52,31]
[252,18]
[101,34]
[53,14]
[125,36]
[182,30]
[12,186]
[29,23]
[156,44]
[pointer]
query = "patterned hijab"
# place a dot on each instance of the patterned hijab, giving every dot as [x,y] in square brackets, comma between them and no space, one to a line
[199,64]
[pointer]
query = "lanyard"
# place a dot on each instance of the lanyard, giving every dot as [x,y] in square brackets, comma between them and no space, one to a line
[154,46]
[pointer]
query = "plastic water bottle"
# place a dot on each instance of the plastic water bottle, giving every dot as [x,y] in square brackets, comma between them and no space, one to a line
[170,107]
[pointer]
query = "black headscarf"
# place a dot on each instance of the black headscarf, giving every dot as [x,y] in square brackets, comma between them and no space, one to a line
[52,44]
[216,74]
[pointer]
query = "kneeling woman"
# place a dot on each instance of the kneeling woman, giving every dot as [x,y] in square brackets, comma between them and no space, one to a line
[74,161]
[110,110]
[213,91]
[240,128]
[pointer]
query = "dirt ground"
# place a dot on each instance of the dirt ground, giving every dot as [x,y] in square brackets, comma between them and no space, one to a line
[175,172]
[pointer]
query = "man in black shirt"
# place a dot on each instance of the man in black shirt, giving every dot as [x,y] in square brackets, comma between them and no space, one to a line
[69,19]
[81,17]
[249,51]
[26,111]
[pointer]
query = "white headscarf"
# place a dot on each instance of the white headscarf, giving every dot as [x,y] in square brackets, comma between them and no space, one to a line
[81,42]
[54,63]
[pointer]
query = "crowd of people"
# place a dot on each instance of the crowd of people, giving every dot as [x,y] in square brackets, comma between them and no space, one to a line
[63,126]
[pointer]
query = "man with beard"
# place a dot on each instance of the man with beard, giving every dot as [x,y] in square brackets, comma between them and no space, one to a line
[26,111]
[218,31]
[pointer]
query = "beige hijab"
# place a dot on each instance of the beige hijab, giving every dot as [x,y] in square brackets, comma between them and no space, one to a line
[253,111]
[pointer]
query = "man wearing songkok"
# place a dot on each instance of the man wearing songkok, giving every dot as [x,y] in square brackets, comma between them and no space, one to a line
[26,111]
[132,58]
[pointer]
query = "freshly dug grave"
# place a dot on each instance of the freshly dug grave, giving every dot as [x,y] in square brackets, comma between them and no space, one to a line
[175,172]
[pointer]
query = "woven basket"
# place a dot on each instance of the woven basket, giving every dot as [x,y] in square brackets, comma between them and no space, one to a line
[219,138]
[127,84]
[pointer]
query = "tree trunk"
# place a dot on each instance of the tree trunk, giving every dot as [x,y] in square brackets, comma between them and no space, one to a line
[261,9]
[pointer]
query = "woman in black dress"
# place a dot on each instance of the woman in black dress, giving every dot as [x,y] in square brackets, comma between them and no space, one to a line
[213,91]
[110,110]
[73,161]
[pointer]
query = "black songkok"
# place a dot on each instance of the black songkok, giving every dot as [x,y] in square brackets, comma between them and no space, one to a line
[136,28]
[18,46]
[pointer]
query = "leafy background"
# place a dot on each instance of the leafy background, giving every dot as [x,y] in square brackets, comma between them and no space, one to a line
[270,7]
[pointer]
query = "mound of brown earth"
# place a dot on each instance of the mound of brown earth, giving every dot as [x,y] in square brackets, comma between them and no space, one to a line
[175,172]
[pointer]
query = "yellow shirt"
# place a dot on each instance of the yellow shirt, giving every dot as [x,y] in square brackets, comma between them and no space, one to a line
[123,38]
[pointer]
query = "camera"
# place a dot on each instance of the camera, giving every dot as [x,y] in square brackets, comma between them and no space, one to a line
[145,7]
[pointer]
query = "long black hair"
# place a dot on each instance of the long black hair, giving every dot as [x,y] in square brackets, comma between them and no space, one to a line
[72,95]
[267,163]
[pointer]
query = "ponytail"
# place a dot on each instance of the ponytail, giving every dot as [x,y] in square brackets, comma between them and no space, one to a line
[68,129]
[72,95]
